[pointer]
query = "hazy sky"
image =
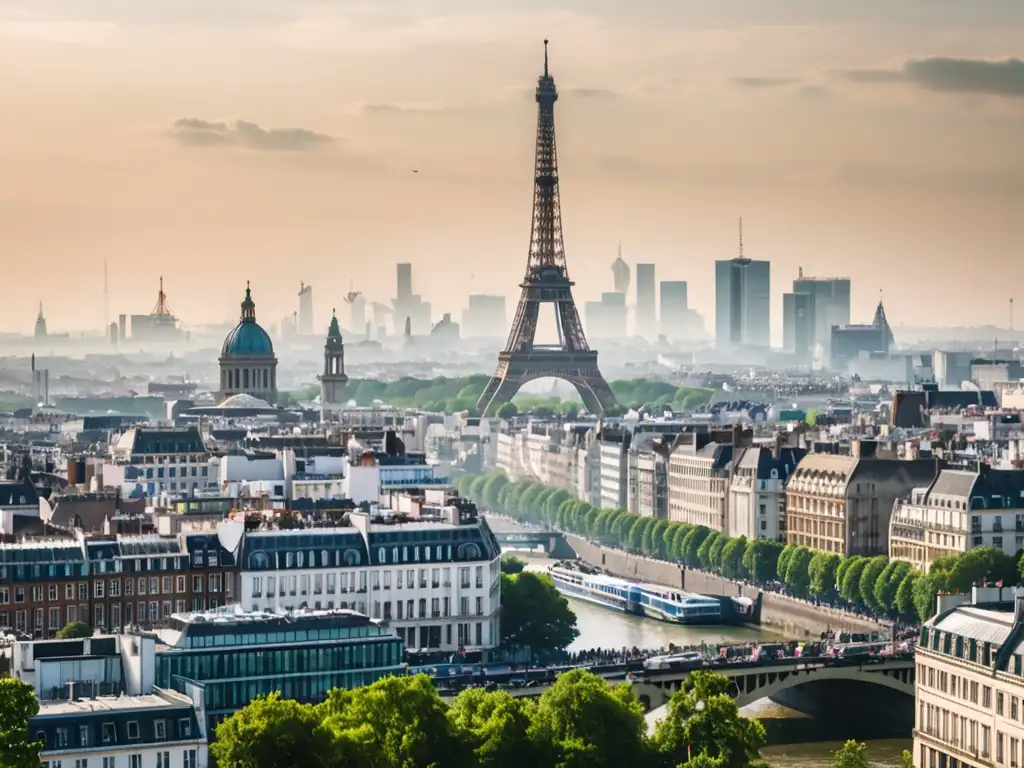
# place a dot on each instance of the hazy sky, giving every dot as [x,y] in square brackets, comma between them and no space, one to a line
[212,141]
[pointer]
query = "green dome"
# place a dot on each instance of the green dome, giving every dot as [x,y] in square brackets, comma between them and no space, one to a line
[248,339]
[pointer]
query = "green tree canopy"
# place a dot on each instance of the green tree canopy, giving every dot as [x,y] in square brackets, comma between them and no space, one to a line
[18,704]
[511,564]
[703,719]
[853,754]
[534,615]
[271,732]
[498,727]
[74,630]
[590,723]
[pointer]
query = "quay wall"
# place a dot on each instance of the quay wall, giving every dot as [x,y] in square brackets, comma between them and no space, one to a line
[786,615]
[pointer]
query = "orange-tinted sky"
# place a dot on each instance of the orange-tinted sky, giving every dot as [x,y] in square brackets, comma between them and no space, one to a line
[213,141]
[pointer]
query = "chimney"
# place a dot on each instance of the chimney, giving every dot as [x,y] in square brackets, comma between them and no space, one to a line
[72,692]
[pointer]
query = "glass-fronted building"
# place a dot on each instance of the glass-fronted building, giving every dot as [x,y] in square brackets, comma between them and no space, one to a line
[236,656]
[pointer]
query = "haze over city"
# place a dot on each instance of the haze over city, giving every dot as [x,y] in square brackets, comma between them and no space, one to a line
[214,142]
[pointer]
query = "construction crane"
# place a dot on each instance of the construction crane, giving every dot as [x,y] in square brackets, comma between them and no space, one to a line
[351,296]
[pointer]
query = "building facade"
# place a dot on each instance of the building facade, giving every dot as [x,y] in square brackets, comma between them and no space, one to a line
[698,479]
[959,511]
[437,584]
[969,682]
[742,303]
[844,503]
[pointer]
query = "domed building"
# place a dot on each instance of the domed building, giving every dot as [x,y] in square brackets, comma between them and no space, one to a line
[247,361]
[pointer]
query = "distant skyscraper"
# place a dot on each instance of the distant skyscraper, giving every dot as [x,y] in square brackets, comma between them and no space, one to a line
[404,281]
[305,327]
[40,323]
[411,313]
[646,310]
[676,317]
[620,273]
[828,306]
[797,324]
[606,319]
[742,302]
[485,317]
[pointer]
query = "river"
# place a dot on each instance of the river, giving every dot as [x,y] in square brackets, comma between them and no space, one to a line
[603,628]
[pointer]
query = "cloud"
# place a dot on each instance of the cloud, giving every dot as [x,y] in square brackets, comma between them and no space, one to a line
[388,107]
[194,131]
[762,82]
[999,78]
[950,75]
[874,75]
[591,93]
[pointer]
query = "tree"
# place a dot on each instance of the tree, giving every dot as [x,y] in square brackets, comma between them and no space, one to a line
[511,564]
[271,732]
[534,615]
[18,705]
[783,562]
[498,728]
[888,584]
[905,597]
[704,550]
[981,564]
[926,588]
[507,411]
[74,630]
[761,560]
[691,544]
[588,722]
[797,571]
[492,488]
[715,555]
[732,558]
[868,578]
[853,754]
[823,570]
[554,501]
[658,538]
[393,723]
[703,719]
[849,589]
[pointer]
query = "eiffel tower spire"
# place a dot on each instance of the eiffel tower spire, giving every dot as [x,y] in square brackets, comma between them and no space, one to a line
[547,282]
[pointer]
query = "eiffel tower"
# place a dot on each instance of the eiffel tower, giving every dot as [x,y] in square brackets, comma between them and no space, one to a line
[546,282]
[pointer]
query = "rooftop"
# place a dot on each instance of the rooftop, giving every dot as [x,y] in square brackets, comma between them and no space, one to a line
[113,704]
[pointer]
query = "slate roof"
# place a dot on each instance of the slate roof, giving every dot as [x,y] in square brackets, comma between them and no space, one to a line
[990,489]
[14,494]
[139,440]
[126,721]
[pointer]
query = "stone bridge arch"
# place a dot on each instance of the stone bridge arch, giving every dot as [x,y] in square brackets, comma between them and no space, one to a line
[748,687]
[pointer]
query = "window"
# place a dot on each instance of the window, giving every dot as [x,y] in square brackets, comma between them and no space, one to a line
[115,588]
[163,759]
[189,759]
[134,761]
[986,696]
[62,737]
[108,762]
[108,733]
[51,593]
[257,586]
[1014,702]
[179,585]
[161,729]
[184,728]
[81,762]
[479,606]
[83,735]
[197,583]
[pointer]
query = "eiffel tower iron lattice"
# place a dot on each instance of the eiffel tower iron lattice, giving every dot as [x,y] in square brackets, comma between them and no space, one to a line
[546,282]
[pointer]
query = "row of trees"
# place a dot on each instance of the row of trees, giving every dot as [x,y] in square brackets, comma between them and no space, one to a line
[460,393]
[884,588]
[580,721]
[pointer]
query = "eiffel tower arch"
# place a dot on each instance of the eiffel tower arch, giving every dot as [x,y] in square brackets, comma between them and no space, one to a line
[546,283]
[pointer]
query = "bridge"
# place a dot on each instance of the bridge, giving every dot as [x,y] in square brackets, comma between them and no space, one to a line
[809,685]
[552,542]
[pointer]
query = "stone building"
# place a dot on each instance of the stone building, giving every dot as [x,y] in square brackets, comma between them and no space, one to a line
[247,361]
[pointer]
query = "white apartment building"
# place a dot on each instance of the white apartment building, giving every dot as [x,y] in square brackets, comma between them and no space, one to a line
[153,460]
[960,510]
[612,489]
[158,729]
[437,583]
[757,492]
[970,682]
[698,479]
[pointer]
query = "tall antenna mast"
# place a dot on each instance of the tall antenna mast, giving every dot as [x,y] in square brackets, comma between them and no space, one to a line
[545,58]
[106,297]
[741,237]
[1011,314]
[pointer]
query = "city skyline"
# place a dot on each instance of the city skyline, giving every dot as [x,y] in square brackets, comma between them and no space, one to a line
[121,149]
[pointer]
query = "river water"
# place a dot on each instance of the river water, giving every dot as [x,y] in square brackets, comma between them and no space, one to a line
[603,628]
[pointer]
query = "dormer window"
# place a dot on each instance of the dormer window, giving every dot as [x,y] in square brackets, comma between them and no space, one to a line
[161,729]
[133,729]
[109,733]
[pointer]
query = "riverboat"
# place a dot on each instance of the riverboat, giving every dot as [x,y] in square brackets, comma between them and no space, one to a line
[647,600]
